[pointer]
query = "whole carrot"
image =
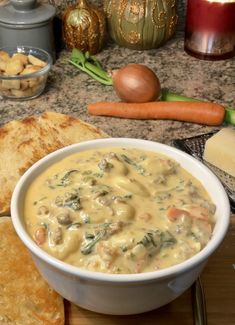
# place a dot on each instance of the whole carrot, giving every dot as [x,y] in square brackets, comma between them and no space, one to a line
[195,112]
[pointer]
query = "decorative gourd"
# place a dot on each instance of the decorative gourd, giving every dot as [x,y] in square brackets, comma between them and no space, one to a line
[84,27]
[141,24]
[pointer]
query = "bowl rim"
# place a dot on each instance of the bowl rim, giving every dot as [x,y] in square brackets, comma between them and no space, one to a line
[180,268]
[26,48]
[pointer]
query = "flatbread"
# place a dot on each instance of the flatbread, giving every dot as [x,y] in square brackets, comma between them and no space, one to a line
[24,142]
[25,297]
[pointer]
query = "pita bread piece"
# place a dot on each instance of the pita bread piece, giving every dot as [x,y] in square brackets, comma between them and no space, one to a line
[24,142]
[25,297]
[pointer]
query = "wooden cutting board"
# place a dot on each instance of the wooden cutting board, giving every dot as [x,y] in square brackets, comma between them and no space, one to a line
[218,279]
[177,311]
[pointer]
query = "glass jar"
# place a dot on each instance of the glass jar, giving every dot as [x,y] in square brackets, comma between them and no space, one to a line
[210,29]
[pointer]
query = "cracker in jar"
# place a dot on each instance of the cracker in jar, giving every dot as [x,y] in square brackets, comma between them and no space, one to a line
[30,69]
[22,93]
[24,84]
[22,57]
[4,56]
[14,67]
[36,61]
[2,65]
[32,81]
[10,84]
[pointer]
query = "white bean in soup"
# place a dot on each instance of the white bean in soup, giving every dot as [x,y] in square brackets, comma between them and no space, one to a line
[119,210]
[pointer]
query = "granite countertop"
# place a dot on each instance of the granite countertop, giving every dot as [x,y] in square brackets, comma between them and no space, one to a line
[69,91]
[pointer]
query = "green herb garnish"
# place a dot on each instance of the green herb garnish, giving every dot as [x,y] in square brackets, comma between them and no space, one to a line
[91,239]
[64,181]
[154,240]
[131,162]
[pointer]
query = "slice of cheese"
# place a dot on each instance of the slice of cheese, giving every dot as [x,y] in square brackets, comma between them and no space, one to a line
[220,150]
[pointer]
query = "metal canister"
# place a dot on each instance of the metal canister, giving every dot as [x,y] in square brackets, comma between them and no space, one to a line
[27,22]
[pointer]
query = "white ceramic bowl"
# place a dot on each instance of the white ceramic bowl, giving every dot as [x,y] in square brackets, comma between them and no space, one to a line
[122,294]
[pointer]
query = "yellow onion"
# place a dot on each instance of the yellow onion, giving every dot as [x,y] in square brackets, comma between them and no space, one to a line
[136,83]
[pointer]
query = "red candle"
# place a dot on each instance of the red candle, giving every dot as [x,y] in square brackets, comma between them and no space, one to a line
[210,29]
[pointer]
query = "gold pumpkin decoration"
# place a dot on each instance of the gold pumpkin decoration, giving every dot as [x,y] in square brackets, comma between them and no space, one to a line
[141,24]
[84,27]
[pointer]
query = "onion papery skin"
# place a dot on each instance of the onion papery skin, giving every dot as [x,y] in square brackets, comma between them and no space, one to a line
[136,83]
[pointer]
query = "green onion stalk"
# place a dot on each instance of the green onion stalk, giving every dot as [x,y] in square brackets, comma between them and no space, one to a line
[90,65]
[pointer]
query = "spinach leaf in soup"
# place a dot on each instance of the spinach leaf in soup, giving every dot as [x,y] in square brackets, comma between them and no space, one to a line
[91,239]
[155,240]
[140,169]
[63,179]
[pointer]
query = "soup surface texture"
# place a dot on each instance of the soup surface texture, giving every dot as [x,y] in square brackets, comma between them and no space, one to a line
[119,210]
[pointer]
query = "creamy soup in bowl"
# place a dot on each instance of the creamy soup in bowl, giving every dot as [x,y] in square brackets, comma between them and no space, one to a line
[120,226]
[119,210]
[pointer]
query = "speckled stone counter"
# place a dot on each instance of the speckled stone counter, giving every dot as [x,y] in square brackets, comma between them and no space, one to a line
[69,90]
